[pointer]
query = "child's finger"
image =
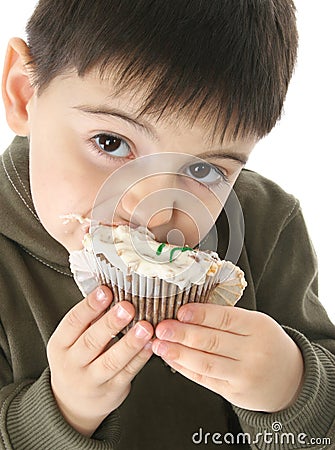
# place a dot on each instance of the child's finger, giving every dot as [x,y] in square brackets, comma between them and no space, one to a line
[117,357]
[94,340]
[214,384]
[79,318]
[127,374]
[226,318]
[201,363]
[210,340]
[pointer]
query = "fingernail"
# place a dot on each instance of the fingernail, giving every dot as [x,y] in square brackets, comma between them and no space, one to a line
[148,346]
[160,349]
[101,295]
[141,332]
[122,313]
[186,316]
[165,334]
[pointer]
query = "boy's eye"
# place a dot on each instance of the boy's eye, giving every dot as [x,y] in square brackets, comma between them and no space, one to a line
[113,145]
[205,173]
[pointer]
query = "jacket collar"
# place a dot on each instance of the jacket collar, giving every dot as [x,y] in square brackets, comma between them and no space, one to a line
[19,221]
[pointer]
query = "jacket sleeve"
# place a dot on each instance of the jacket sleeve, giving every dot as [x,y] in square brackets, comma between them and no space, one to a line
[30,418]
[287,291]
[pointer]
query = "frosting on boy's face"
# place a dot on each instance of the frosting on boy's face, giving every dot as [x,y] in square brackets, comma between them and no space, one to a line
[80,134]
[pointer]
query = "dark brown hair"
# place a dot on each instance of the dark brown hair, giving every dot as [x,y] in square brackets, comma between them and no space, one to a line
[228,61]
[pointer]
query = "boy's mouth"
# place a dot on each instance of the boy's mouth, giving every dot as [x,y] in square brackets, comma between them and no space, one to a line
[86,222]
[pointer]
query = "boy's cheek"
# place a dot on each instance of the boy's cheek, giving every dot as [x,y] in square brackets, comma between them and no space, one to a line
[54,198]
[59,187]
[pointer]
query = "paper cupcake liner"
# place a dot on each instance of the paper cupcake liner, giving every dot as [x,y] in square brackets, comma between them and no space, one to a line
[155,299]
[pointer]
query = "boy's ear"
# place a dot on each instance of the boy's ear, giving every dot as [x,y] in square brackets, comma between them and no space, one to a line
[17,88]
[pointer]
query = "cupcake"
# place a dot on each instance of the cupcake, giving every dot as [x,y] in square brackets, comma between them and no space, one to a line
[157,278]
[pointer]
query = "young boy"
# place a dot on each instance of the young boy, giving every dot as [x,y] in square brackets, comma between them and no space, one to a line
[103,83]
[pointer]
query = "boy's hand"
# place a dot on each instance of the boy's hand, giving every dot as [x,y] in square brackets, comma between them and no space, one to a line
[89,377]
[245,356]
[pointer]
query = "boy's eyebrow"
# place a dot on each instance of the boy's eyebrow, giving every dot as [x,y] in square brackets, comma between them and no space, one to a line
[222,154]
[106,110]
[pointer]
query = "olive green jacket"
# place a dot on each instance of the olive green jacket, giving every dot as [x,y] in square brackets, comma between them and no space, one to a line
[164,410]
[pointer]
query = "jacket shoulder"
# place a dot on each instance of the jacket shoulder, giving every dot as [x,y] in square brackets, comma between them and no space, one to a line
[263,201]
[267,210]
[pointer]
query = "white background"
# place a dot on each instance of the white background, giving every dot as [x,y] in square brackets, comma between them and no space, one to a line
[299,153]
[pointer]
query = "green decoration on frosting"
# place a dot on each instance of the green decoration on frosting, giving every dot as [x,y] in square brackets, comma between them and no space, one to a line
[160,249]
[182,249]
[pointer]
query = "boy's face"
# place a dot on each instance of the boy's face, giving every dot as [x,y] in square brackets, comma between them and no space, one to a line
[80,134]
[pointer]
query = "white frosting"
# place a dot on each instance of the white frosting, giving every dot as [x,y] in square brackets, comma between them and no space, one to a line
[135,251]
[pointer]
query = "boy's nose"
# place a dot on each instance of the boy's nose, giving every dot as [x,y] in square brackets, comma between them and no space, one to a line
[150,202]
